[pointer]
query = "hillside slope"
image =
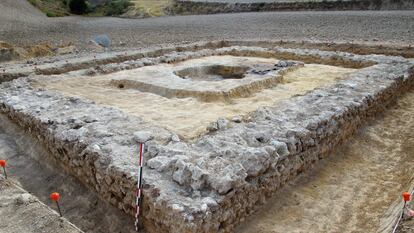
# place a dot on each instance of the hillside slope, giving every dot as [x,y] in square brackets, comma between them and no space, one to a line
[19,10]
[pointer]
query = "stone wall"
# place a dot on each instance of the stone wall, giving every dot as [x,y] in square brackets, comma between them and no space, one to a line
[64,64]
[308,145]
[211,183]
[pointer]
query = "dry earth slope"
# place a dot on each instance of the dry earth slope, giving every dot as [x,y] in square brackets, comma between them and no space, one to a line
[19,10]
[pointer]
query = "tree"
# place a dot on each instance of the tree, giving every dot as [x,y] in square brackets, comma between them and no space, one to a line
[78,6]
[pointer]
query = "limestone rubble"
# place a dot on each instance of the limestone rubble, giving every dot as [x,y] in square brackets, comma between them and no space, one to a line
[210,183]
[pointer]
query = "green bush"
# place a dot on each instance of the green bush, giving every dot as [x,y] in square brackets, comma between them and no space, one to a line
[33,2]
[118,7]
[78,6]
[51,14]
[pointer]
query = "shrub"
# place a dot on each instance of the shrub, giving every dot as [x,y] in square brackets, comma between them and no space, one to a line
[50,14]
[78,6]
[33,2]
[118,7]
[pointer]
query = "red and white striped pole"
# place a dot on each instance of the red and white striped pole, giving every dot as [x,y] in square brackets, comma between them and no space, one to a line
[139,184]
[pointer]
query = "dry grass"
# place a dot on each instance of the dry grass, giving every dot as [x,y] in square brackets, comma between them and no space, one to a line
[149,8]
[52,8]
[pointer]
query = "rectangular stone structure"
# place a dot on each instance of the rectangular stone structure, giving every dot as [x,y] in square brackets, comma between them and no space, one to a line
[213,181]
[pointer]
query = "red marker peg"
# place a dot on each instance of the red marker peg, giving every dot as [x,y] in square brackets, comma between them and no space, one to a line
[3,165]
[406,196]
[55,197]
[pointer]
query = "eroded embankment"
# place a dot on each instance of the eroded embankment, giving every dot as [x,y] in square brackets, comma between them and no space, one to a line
[352,189]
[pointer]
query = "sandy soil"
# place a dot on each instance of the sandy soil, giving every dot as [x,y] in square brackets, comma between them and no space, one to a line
[189,117]
[21,212]
[352,190]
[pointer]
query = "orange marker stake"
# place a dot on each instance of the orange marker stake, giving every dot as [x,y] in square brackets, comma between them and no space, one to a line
[55,197]
[3,165]
[406,196]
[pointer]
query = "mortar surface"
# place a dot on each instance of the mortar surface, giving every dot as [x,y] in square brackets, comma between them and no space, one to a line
[194,74]
[189,117]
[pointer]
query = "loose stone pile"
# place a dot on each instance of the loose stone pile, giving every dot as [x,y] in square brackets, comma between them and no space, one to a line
[210,183]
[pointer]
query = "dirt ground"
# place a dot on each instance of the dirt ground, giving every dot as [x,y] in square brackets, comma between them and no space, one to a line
[22,212]
[188,117]
[21,23]
[353,189]
[407,224]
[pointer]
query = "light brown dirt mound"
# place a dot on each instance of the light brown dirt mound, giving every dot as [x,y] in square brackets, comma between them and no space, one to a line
[9,52]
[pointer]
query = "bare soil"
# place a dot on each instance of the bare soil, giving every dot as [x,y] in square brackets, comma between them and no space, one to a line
[22,212]
[407,224]
[353,189]
[21,23]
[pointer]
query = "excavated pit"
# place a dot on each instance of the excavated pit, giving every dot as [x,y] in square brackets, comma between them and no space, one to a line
[208,79]
[230,124]
[212,72]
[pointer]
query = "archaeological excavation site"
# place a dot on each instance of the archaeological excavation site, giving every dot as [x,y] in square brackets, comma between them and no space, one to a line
[226,125]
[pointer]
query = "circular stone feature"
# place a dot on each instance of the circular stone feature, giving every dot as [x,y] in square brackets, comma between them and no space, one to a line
[212,72]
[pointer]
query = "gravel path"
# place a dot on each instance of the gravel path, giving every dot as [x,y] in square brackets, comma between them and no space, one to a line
[31,27]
